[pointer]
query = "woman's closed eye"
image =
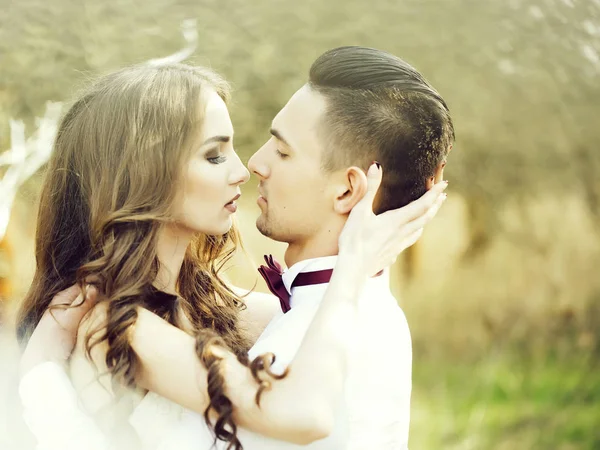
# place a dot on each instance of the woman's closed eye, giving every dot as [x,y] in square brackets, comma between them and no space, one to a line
[214,156]
[219,159]
[281,154]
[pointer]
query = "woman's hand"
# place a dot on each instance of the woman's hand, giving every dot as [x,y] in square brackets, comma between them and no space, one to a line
[375,241]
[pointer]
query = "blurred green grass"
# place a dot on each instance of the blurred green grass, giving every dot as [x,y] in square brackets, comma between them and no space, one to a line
[499,402]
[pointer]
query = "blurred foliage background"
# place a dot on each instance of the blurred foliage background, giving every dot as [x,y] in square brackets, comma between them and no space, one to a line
[502,293]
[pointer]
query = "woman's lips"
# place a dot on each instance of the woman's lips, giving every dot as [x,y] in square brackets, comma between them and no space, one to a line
[232,205]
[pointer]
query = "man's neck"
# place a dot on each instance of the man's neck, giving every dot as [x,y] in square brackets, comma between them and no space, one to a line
[324,243]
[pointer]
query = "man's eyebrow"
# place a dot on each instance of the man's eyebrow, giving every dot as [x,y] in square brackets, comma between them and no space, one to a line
[279,137]
[217,139]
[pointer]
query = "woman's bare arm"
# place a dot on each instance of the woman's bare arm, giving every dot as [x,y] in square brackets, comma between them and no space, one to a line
[171,368]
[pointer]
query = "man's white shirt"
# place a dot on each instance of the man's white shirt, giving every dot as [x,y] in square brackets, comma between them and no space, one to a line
[374,413]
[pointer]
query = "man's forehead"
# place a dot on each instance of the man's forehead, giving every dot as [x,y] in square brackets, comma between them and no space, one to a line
[302,113]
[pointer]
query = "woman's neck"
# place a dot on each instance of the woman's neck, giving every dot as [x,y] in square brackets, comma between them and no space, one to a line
[173,242]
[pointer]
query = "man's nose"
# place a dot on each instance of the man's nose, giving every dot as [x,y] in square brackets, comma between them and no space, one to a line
[257,164]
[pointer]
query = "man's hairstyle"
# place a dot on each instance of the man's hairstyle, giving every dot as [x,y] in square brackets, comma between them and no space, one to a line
[379,108]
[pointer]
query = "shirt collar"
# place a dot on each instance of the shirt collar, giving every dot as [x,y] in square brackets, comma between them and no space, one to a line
[307,265]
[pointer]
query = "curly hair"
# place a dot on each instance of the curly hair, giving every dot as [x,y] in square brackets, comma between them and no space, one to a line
[225,428]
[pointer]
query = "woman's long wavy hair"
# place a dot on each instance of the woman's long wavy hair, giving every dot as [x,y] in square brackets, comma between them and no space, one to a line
[117,163]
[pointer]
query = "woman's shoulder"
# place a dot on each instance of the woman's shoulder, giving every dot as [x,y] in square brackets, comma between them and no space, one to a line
[259,311]
[92,379]
[89,373]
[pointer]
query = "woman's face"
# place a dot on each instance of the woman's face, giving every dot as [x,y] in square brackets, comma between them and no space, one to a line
[212,176]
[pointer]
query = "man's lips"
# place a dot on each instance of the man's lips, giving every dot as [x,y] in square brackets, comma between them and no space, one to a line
[261,196]
[261,199]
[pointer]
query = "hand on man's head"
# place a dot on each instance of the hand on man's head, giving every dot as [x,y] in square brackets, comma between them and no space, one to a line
[55,336]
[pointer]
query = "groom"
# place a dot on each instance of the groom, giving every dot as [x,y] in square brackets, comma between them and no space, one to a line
[359,105]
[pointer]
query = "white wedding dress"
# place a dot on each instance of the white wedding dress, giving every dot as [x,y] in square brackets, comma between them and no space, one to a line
[55,415]
[164,425]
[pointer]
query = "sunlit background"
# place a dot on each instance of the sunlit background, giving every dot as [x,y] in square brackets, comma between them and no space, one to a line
[502,293]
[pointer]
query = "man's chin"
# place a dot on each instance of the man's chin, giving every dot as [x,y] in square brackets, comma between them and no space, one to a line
[271,233]
[262,226]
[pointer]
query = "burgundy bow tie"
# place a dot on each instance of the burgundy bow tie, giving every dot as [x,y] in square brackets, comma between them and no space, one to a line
[272,274]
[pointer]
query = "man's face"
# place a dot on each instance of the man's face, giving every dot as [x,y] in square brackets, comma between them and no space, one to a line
[294,193]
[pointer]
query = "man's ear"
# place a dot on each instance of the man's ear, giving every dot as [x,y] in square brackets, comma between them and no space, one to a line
[438,175]
[351,190]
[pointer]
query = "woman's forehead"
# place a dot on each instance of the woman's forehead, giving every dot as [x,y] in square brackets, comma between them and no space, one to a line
[216,117]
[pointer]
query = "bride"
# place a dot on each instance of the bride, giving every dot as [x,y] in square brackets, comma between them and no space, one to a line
[137,207]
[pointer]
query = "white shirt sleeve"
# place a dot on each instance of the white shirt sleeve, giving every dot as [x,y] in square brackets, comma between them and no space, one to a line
[380,384]
[52,412]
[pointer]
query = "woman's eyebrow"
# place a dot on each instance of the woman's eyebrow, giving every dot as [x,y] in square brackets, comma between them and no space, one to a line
[217,139]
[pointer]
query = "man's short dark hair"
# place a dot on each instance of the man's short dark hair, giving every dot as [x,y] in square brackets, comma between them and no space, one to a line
[380,108]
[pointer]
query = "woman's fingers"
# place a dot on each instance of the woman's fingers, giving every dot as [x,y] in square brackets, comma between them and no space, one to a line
[79,308]
[424,219]
[412,238]
[407,234]
[374,175]
[419,207]
[66,297]
[422,205]
[377,240]
[395,248]
[68,307]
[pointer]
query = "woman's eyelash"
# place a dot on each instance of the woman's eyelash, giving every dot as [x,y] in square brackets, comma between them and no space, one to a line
[282,155]
[217,159]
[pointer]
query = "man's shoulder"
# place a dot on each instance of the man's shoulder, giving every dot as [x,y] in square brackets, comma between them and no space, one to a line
[385,330]
[383,303]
